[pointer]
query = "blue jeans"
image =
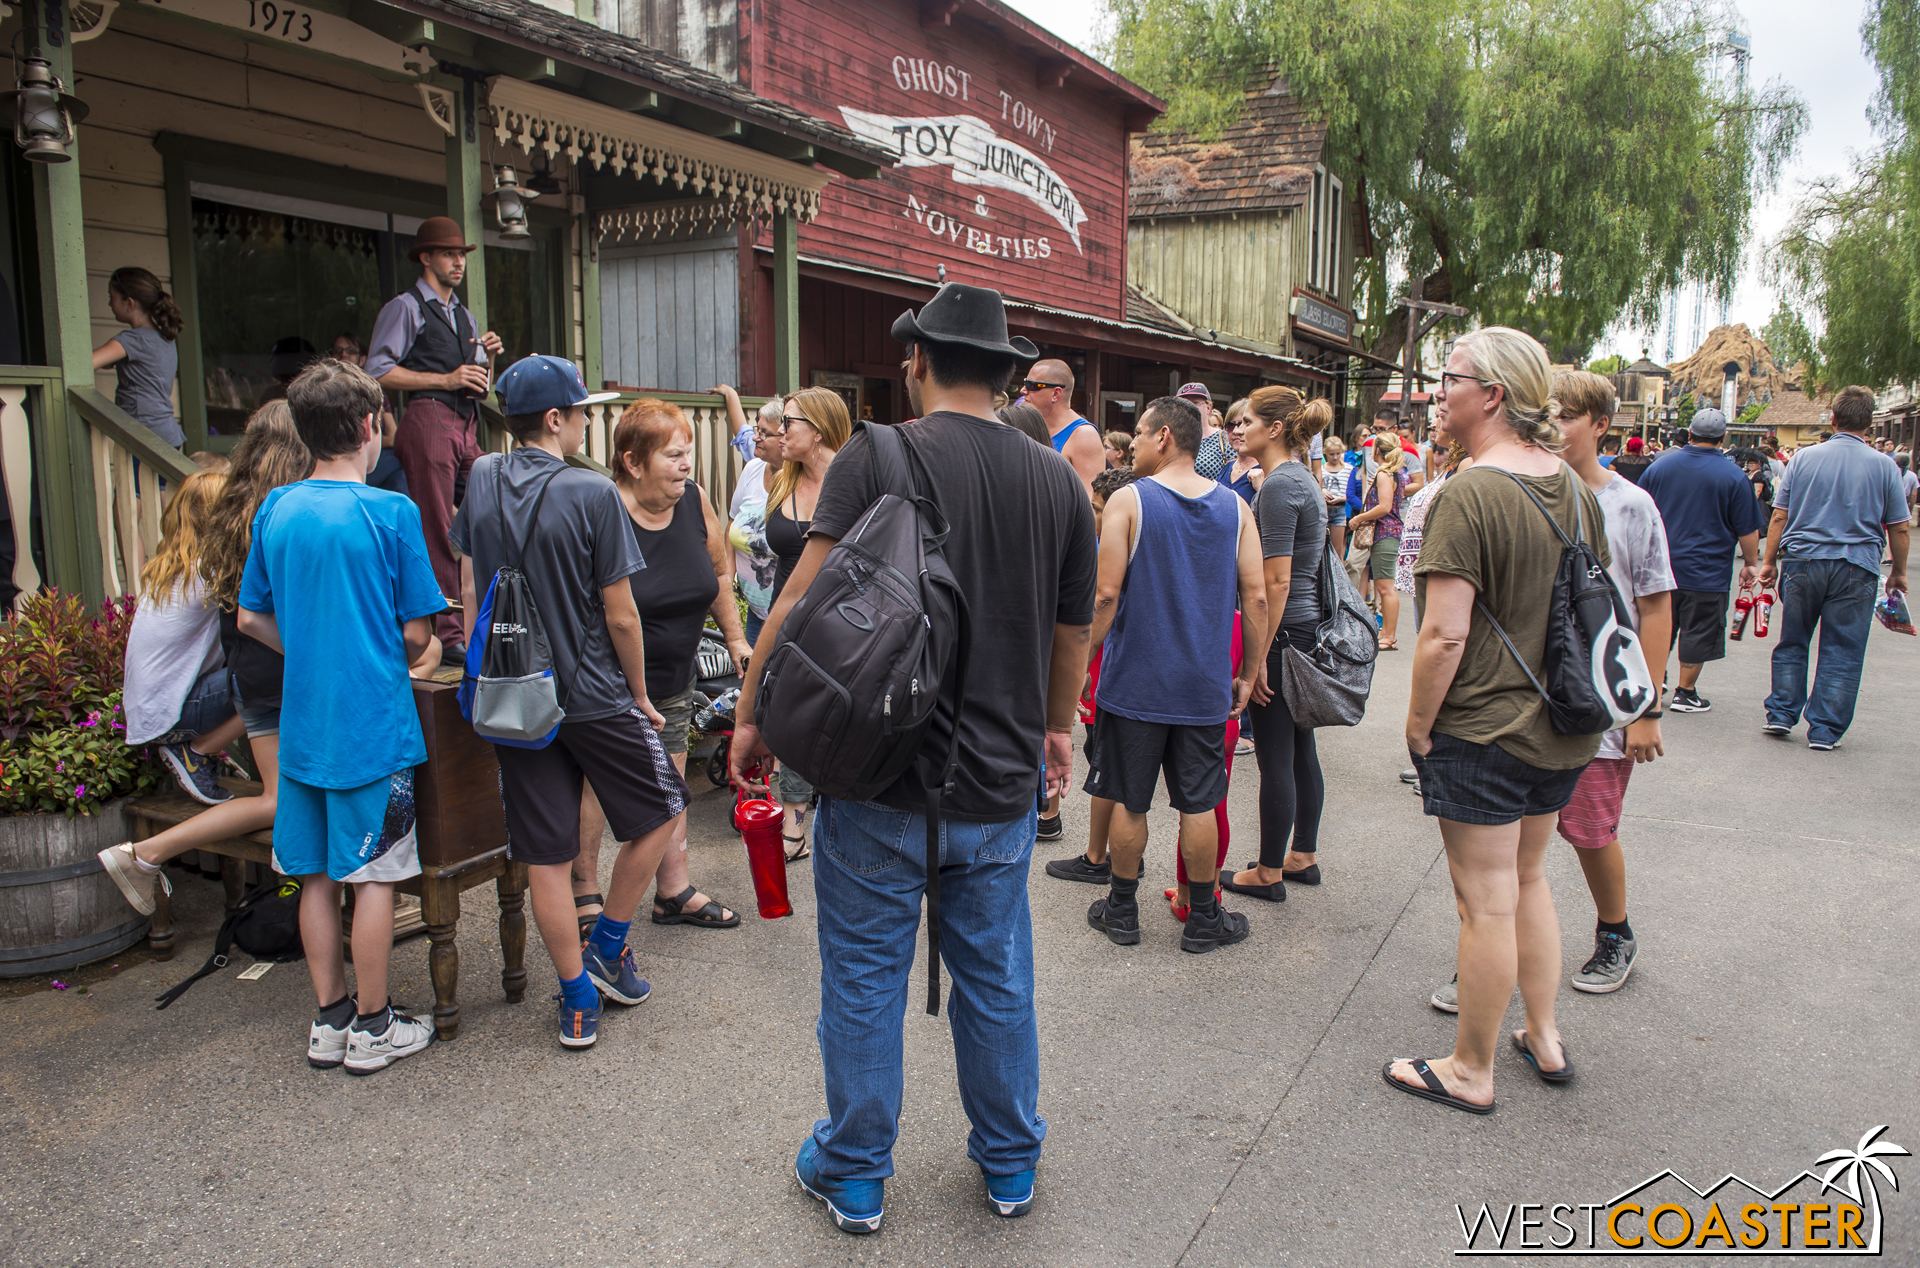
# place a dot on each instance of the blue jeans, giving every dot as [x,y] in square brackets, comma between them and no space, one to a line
[869,873]
[1838,596]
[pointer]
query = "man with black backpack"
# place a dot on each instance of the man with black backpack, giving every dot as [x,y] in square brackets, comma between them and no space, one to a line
[1018,544]
[574,545]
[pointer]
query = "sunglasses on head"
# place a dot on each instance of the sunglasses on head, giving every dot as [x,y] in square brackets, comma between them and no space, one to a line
[1035,385]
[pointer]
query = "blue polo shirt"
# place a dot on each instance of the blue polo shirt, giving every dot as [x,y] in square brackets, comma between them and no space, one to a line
[1839,496]
[1707,503]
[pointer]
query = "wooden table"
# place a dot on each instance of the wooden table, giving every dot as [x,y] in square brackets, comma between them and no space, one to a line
[462,832]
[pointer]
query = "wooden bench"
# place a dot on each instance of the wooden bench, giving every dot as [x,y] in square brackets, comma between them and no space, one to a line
[462,833]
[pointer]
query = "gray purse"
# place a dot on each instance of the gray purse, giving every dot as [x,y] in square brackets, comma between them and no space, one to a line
[1328,685]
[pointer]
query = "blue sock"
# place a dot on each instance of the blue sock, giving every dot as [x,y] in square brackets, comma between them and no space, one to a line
[609,937]
[579,993]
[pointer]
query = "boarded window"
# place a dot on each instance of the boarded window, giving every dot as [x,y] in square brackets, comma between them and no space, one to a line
[670,315]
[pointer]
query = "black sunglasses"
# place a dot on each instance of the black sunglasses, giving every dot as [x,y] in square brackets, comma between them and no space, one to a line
[790,420]
[1034,385]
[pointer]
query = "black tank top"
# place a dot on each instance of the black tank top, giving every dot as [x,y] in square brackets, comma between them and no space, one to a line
[786,538]
[674,592]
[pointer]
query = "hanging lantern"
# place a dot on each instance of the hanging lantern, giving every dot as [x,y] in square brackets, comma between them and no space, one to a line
[43,113]
[510,200]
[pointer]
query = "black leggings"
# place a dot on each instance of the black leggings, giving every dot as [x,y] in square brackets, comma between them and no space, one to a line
[1292,791]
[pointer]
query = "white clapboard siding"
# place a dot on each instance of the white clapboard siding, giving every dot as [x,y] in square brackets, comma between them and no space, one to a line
[670,314]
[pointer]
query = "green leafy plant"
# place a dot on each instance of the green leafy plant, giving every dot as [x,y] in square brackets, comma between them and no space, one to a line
[62,745]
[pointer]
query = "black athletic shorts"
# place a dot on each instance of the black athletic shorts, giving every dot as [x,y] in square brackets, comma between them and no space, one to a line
[1127,756]
[624,759]
[1700,625]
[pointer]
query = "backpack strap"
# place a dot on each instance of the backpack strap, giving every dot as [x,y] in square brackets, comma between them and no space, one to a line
[516,551]
[222,943]
[1566,543]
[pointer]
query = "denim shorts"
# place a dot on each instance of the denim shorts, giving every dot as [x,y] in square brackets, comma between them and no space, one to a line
[1484,784]
[260,717]
[208,705]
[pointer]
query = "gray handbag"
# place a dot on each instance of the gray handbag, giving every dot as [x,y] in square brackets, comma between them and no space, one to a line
[1328,685]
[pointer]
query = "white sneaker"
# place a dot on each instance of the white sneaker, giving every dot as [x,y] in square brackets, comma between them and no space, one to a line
[135,882]
[404,1036]
[326,1045]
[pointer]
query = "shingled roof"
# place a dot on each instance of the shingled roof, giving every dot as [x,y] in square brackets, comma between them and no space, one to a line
[1264,162]
[534,26]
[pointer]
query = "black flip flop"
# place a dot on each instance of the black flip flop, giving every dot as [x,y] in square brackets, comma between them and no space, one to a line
[1274,893]
[711,916]
[588,922]
[1435,1089]
[1563,1075]
[806,850]
[1308,875]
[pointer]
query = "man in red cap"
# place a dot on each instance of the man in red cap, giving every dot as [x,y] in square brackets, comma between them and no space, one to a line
[425,344]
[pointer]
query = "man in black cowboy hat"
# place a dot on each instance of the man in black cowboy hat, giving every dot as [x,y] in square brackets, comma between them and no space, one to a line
[1022,548]
[424,344]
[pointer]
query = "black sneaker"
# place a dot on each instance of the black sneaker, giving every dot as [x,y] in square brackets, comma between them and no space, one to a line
[1685,701]
[195,773]
[1050,829]
[1222,929]
[1122,924]
[1078,868]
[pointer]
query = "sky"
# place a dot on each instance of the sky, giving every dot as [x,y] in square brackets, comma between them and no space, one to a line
[1814,48]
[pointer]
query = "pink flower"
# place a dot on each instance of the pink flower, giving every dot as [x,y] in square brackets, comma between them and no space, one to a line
[80,792]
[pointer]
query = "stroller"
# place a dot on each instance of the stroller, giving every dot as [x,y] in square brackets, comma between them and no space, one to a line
[716,691]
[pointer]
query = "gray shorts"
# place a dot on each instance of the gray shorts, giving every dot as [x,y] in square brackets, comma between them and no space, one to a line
[260,717]
[678,711]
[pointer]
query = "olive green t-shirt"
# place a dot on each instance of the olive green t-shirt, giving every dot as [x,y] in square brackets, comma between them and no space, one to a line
[1482,527]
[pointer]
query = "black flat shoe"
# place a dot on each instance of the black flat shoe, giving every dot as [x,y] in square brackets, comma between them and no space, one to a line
[1563,1075]
[711,916]
[1274,893]
[1308,875]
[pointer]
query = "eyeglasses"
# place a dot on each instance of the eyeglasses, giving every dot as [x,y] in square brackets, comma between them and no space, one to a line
[790,420]
[775,434]
[1035,385]
[1449,375]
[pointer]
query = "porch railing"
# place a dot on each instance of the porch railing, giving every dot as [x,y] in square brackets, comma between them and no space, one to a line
[27,393]
[128,464]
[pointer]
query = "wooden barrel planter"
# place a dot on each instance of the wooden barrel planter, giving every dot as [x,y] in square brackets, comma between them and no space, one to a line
[58,908]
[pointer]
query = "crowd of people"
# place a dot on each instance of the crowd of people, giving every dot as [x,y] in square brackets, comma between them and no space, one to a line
[1150,585]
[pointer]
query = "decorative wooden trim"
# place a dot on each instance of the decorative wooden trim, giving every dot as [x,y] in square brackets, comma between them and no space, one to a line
[440,106]
[16,467]
[650,221]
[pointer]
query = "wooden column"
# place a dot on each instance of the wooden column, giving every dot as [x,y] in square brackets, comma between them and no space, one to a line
[467,179]
[66,461]
[590,352]
[786,303]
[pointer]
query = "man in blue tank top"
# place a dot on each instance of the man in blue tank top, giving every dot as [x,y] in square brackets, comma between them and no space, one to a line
[1048,387]
[1175,548]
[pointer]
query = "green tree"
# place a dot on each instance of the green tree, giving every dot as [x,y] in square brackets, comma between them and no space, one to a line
[1608,365]
[1787,337]
[1552,165]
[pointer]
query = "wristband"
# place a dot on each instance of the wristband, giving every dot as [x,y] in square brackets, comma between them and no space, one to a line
[1655,716]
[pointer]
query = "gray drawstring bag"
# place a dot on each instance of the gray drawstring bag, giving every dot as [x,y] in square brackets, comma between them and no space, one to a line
[509,692]
[1328,685]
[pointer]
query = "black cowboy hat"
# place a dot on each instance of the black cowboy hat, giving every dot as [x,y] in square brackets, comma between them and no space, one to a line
[970,315]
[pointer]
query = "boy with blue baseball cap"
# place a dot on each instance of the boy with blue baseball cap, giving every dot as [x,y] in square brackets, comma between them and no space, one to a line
[575,543]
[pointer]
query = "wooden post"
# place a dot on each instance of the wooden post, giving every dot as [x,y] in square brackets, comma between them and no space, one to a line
[786,302]
[590,351]
[467,179]
[1413,339]
[66,489]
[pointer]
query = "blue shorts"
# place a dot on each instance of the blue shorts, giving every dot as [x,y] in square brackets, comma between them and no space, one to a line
[353,834]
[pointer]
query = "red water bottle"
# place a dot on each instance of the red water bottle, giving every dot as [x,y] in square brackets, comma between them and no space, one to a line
[1742,605]
[759,822]
[1762,611]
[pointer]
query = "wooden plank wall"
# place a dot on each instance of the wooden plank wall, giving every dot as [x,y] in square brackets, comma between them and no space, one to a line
[670,314]
[1234,274]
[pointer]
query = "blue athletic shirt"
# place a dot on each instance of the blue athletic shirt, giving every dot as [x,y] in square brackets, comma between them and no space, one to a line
[1060,437]
[342,567]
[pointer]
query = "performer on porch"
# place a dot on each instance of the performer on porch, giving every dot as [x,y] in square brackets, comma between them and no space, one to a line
[424,344]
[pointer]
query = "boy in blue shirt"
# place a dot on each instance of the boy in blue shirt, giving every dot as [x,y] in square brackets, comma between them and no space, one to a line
[338,581]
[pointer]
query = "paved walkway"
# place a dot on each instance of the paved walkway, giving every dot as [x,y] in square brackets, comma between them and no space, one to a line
[1205,1110]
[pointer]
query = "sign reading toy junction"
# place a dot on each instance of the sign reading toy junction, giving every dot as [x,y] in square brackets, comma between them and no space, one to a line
[1004,183]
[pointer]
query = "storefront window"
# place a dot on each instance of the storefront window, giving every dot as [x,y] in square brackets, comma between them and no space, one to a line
[520,296]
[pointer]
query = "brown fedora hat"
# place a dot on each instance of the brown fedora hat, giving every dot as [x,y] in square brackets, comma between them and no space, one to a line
[437,233]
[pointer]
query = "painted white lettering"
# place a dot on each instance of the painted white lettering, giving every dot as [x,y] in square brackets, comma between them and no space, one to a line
[900,77]
[1046,249]
[980,207]
[1006,103]
[1020,115]
[949,81]
[1050,136]
[953,228]
[947,131]
[1027,250]
[915,210]
[919,73]
[936,223]
[976,241]
[966,86]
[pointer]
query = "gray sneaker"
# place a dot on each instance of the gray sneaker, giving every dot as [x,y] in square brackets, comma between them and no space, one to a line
[1447,998]
[1411,775]
[1612,960]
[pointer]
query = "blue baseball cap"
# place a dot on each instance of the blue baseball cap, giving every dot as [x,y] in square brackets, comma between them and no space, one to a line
[539,383]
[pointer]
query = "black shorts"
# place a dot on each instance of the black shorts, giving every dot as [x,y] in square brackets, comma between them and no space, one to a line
[624,759]
[1700,625]
[1485,784]
[1127,756]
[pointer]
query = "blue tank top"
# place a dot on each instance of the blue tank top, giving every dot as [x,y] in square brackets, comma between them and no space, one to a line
[1169,655]
[1060,441]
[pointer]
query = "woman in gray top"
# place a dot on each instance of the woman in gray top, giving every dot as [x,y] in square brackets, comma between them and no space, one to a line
[143,355]
[1291,511]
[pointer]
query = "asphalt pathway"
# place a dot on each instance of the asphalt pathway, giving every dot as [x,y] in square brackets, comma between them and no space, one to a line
[1224,1109]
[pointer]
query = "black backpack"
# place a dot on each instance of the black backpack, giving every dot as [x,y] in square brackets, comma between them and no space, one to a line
[850,688]
[266,925]
[1596,675]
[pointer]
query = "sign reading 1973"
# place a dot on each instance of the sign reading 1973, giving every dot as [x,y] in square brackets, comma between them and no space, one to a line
[316,30]
[263,15]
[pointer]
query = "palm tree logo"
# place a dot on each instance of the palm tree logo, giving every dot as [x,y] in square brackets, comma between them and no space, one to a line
[1859,1163]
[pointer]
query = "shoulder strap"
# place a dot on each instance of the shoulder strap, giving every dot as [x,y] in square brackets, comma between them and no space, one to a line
[222,944]
[519,549]
[892,472]
[1579,515]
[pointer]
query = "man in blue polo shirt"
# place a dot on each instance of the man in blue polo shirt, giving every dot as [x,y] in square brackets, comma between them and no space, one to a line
[1839,502]
[1708,506]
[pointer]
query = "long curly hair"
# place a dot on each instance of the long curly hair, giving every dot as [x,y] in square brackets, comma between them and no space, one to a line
[269,455]
[144,289]
[184,526]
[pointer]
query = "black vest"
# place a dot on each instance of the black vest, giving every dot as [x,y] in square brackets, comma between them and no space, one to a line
[438,350]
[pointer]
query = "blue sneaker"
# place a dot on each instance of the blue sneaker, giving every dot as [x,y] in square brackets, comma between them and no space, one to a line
[579,1027]
[854,1204]
[1011,1196]
[620,981]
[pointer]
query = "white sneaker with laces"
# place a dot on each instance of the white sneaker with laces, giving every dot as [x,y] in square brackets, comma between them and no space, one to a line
[404,1036]
[326,1045]
[135,882]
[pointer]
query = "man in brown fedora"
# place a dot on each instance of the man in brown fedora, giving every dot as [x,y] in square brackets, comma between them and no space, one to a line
[424,343]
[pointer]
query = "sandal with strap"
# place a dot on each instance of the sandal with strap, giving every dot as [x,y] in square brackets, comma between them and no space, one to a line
[1563,1075]
[805,850]
[711,916]
[1434,1090]
[587,922]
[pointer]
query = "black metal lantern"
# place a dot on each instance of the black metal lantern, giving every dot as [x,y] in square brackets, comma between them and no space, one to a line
[43,113]
[510,199]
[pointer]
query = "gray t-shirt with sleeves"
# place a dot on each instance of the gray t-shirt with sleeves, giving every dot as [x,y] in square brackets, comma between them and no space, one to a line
[582,544]
[1292,514]
[1637,540]
[145,381]
[1839,496]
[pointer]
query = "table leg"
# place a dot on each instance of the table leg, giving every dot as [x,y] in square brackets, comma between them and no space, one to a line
[512,887]
[440,904]
[160,927]
[233,877]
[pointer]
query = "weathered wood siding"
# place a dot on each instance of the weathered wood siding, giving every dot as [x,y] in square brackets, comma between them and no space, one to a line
[1234,274]
[670,314]
[704,32]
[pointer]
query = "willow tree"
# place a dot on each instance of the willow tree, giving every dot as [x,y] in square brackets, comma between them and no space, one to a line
[1555,165]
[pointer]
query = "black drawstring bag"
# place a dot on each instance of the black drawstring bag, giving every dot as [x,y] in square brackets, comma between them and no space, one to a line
[266,925]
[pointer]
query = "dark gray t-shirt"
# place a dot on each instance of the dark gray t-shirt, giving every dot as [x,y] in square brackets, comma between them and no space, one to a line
[582,544]
[145,388]
[1291,511]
